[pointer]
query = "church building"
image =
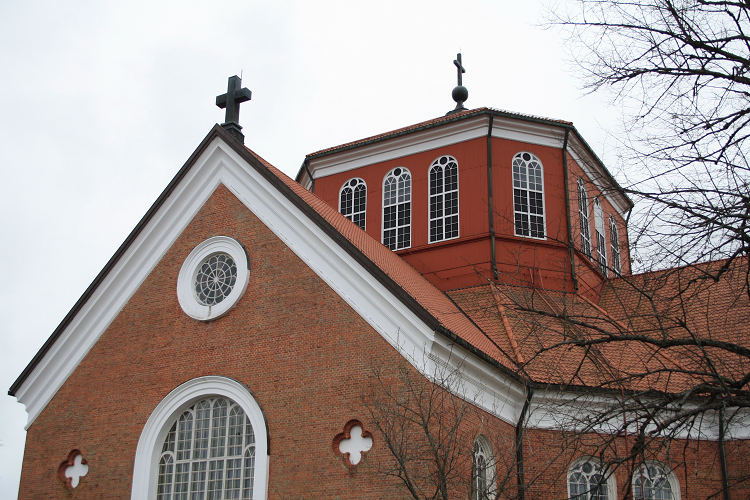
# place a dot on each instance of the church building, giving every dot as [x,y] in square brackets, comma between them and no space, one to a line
[234,345]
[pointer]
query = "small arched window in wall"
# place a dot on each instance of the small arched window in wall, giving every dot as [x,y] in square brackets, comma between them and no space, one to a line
[353,201]
[443,199]
[614,241]
[397,209]
[528,195]
[583,217]
[587,481]
[654,481]
[483,470]
[601,241]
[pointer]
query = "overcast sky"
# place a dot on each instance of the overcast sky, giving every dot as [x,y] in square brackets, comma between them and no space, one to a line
[102,102]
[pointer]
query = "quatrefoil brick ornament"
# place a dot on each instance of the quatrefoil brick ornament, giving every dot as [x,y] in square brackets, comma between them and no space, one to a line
[353,443]
[73,469]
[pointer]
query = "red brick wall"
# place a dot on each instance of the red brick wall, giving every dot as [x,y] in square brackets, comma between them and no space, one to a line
[300,348]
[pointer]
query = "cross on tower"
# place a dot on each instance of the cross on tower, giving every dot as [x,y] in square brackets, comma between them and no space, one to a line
[460,93]
[231,101]
[459,68]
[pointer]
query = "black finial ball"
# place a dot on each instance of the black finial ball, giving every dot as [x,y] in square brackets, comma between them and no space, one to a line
[460,93]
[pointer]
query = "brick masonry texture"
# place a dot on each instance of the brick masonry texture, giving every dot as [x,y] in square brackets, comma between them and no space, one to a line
[308,359]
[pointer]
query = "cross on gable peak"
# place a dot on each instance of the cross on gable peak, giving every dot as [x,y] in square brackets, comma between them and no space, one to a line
[231,101]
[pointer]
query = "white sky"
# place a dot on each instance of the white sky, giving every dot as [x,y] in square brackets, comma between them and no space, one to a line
[102,102]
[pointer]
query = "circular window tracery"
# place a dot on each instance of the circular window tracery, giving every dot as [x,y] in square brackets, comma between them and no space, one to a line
[215,279]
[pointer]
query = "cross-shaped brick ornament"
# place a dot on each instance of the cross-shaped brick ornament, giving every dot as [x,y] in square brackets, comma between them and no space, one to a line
[73,469]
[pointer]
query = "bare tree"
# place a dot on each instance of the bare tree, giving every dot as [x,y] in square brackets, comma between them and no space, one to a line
[681,71]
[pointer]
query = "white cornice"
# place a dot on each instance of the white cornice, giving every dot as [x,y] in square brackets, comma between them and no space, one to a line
[397,147]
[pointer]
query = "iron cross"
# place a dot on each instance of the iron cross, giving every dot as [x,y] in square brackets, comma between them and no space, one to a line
[459,68]
[232,99]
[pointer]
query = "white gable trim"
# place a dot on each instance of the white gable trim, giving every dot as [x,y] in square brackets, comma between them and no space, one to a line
[483,385]
[220,164]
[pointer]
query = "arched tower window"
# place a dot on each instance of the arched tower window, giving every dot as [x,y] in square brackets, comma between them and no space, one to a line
[528,195]
[654,481]
[614,240]
[353,201]
[583,217]
[397,209]
[483,470]
[587,481]
[601,241]
[443,199]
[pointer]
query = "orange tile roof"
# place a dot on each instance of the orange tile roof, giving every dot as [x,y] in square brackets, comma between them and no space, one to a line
[529,332]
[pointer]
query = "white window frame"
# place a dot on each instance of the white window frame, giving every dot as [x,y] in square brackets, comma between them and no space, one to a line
[397,227]
[601,236]
[668,474]
[609,480]
[441,196]
[518,184]
[148,451]
[614,243]
[346,185]
[490,475]
[583,217]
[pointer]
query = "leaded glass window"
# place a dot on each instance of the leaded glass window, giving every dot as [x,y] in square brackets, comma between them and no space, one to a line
[528,195]
[586,481]
[208,454]
[601,242]
[397,209]
[215,279]
[583,217]
[483,470]
[353,201]
[614,241]
[443,199]
[652,482]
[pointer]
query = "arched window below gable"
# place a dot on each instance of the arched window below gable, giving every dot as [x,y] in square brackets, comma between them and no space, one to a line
[397,209]
[528,196]
[205,439]
[655,481]
[353,201]
[588,480]
[443,199]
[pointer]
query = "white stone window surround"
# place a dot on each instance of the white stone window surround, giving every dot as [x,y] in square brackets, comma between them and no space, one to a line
[483,470]
[441,221]
[351,212]
[583,216]
[610,480]
[148,452]
[663,472]
[186,279]
[397,236]
[528,188]
[601,240]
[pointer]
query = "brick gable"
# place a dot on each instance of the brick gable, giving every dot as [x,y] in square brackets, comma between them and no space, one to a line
[284,340]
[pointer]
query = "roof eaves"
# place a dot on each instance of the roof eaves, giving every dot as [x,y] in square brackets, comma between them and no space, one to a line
[216,130]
